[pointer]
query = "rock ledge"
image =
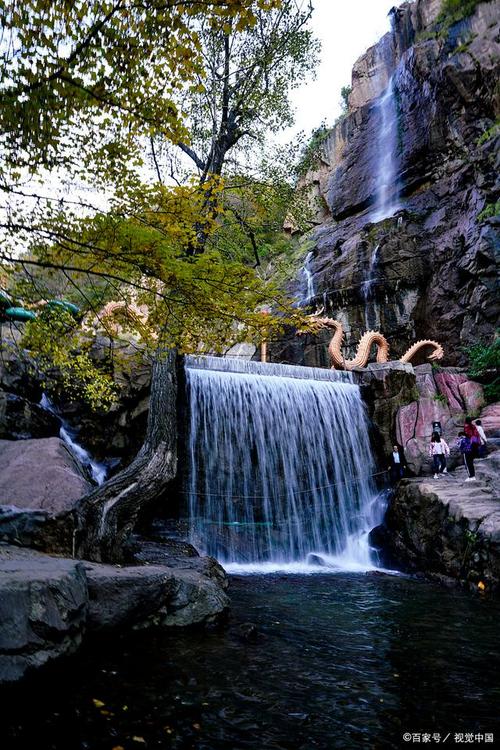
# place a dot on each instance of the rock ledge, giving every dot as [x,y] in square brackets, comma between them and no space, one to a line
[48,604]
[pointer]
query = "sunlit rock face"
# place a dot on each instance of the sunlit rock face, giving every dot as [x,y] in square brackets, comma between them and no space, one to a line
[434,248]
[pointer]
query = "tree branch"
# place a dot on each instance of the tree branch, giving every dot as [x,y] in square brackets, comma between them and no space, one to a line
[192,155]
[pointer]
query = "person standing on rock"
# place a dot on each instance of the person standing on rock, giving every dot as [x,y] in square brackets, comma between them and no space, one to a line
[482,436]
[472,433]
[464,444]
[438,450]
[397,463]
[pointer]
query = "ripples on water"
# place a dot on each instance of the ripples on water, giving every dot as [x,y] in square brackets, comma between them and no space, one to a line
[346,661]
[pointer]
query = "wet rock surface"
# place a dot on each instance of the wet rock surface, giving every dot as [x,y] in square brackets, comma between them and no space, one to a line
[115,434]
[49,604]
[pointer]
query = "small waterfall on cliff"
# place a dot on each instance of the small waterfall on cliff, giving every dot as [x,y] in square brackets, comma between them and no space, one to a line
[308,282]
[368,289]
[97,470]
[386,188]
[280,468]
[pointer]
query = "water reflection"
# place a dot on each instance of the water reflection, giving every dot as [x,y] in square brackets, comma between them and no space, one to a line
[349,661]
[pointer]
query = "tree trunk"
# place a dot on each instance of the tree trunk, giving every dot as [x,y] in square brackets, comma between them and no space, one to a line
[105,517]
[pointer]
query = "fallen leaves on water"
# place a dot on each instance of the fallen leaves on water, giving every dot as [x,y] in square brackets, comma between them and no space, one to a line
[97,703]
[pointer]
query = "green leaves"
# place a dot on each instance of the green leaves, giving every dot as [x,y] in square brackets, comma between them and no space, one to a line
[85,86]
[64,65]
[484,364]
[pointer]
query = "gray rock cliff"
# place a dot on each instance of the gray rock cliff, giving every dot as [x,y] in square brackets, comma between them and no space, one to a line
[429,268]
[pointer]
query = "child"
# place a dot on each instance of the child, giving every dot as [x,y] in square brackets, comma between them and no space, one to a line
[465,446]
[438,450]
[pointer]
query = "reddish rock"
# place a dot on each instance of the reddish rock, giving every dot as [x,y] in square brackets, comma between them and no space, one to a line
[490,417]
[415,455]
[472,396]
[426,385]
[448,384]
[430,410]
[405,423]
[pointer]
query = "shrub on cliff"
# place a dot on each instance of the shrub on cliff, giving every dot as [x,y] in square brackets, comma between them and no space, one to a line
[484,365]
[453,11]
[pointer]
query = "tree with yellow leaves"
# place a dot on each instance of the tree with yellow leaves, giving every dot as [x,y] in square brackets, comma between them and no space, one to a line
[90,92]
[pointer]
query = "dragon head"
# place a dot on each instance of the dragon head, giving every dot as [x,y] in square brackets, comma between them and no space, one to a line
[438,352]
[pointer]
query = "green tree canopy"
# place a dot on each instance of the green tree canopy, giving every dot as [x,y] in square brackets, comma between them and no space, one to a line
[88,90]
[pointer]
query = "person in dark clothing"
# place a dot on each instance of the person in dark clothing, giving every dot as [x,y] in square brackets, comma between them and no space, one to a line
[397,463]
[465,446]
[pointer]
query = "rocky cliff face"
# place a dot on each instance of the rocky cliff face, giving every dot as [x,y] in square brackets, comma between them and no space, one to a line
[427,268]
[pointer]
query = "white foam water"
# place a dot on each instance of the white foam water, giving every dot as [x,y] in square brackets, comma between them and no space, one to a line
[386,186]
[308,281]
[98,471]
[280,470]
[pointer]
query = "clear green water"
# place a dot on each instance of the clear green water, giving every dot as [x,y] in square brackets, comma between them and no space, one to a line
[339,661]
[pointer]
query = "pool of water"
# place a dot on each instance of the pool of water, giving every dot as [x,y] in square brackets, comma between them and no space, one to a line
[345,661]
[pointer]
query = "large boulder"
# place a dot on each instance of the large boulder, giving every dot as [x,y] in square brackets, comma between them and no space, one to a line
[448,385]
[180,592]
[472,396]
[40,474]
[48,604]
[20,419]
[43,610]
[128,596]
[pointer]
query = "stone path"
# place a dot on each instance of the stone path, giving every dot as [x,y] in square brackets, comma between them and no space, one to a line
[478,501]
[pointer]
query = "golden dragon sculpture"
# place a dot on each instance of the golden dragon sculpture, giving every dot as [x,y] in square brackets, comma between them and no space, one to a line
[138,315]
[365,344]
[109,317]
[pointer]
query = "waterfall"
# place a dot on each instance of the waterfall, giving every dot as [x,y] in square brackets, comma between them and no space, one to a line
[308,293]
[249,367]
[386,187]
[280,468]
[98,471]
[368,290]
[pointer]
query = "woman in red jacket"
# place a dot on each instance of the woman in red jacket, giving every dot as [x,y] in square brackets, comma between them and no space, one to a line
[471,432]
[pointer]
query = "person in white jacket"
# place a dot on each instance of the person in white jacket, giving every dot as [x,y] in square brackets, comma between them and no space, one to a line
[482,435]
[438,450]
